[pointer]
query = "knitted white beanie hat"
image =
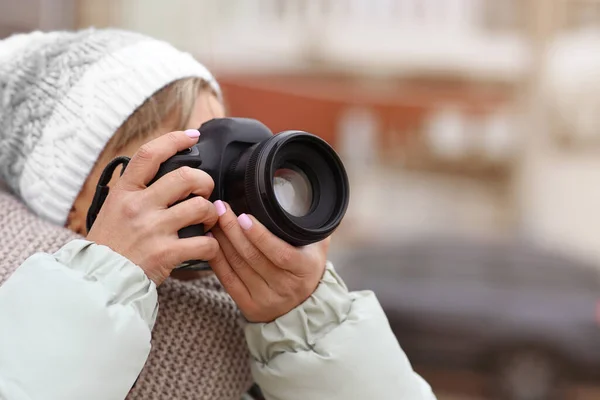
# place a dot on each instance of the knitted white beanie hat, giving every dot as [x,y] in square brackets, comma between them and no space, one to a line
[62,97]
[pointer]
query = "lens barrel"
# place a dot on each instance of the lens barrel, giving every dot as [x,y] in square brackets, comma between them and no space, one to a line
[294,183]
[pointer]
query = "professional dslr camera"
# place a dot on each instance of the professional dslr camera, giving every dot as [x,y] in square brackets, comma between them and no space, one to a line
[294,183]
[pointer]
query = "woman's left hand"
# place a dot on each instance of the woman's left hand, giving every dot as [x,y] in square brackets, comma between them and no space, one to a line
[264,275]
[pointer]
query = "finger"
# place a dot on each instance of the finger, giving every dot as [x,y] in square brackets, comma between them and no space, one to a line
[179,184]
[228,278]
[252,280]
[230,226]
[193,248]
[146,161]
[279,252]
[196,210]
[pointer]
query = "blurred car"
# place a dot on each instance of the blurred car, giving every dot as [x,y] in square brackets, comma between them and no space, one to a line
[528,317]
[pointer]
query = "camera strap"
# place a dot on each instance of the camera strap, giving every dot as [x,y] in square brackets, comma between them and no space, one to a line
[102,188]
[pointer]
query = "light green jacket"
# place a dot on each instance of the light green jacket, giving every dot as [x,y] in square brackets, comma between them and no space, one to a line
[77,325]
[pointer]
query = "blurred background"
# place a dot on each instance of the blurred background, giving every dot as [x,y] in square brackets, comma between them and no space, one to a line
[471,134]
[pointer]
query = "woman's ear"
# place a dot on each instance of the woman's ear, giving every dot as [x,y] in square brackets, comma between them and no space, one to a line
[76,220]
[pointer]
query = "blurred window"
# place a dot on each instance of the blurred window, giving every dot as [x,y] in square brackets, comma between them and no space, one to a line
[581,14]
[504,15]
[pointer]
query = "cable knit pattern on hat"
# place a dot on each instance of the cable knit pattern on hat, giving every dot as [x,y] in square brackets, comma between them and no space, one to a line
[63,95]
[198,347]
[35,78]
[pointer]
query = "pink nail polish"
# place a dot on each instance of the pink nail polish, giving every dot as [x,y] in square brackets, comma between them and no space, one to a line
[192,133]
[209,234]
[220,206]
[245,221]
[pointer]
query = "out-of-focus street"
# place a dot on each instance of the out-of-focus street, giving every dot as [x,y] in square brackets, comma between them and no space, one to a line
[469,386]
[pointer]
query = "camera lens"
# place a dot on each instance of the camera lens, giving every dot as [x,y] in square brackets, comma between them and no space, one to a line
[293,190]
[294,183]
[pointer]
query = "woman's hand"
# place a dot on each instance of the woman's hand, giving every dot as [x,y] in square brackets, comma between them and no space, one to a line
[137,222]
[264,275]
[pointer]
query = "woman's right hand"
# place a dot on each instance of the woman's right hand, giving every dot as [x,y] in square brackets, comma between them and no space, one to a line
[138,222]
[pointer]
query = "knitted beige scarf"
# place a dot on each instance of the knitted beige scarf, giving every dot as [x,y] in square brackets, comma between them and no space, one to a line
[198,348]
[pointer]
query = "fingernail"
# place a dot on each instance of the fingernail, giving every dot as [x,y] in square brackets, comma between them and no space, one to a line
[210,235]
[192,133]
[220,207]
[245,221]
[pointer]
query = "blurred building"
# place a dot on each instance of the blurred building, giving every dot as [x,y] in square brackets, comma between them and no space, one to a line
[416,95]
[439,107]
[27,15]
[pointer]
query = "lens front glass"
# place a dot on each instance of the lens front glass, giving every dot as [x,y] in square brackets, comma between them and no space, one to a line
[293,183]
[293,191]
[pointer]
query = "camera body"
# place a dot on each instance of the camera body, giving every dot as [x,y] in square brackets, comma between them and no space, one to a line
[222,142]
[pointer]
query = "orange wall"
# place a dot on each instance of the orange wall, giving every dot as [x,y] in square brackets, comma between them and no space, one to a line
[283,111]
[315,104]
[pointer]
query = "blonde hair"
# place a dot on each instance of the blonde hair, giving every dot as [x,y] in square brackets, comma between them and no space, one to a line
[175,102]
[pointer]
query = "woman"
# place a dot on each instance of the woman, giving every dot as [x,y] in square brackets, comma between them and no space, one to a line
[78,323]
